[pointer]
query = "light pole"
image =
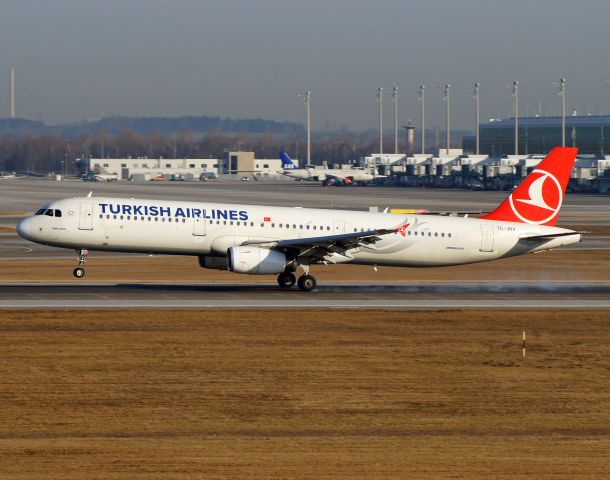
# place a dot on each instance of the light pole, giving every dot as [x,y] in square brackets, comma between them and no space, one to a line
[515,93]
[380,101]
[307,101]
[562,93]
[395,99]
[477,116]
[422,100]
[447,98]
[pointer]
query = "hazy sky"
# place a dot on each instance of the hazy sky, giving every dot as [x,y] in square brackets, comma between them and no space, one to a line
[78,59]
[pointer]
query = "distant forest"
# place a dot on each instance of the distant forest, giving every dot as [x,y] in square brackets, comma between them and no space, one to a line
[27,145]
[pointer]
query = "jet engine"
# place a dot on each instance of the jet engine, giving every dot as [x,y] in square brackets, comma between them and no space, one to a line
[255,260]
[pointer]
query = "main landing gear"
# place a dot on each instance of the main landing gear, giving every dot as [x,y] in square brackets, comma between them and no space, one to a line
[306,282]
[79,272]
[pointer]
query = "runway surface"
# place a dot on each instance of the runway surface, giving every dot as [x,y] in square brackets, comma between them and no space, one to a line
[551,296]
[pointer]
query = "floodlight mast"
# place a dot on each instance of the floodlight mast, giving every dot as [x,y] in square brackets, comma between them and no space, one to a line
[477,119]
[380,100]
[422,99]
[307,102]
[395,99]
[562,92]
[447,98]
[516,98]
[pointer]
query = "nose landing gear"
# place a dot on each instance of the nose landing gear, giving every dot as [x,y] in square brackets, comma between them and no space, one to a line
[79,272]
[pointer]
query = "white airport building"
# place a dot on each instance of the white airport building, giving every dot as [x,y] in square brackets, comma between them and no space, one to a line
[144,168]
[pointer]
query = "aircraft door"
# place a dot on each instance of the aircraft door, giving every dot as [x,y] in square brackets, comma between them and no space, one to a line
[85,216]
[339,227]
[487,238]
[199,227]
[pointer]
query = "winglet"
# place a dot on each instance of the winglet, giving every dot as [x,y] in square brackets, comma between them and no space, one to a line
[537,200]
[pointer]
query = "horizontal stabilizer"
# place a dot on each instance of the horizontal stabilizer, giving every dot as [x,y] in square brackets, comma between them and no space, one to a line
[549,236]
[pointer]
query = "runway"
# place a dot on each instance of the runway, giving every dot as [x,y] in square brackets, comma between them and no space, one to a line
[339,296]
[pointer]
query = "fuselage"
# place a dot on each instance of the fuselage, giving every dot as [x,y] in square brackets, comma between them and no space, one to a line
[208,229]
[322,174]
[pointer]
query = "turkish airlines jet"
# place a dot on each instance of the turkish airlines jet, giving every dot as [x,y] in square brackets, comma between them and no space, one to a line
[325,175]
[259,240]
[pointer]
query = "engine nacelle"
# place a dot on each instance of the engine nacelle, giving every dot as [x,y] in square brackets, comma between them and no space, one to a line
[216,263]
[255,260]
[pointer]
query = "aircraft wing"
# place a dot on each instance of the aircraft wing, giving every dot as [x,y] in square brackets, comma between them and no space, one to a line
[322,246]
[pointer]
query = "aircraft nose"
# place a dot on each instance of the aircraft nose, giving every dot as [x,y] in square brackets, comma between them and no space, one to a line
[25,228]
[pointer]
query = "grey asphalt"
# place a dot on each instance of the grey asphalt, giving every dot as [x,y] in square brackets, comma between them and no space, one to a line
[140,295]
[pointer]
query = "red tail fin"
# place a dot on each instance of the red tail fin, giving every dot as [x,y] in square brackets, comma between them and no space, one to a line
[538,198]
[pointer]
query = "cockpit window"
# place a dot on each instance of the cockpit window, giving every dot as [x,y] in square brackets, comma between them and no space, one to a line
[41,211]
[58,213]
[49,212]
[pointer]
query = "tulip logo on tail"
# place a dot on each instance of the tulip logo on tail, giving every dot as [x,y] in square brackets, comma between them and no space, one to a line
[543,200]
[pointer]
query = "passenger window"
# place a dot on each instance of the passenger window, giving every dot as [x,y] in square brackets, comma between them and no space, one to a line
[156,219]
[58,213]
[436,234]
[442,234]
[101,216]
[449,235]
[114,217]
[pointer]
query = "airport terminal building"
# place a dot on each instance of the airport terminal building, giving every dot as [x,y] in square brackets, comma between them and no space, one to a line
[537,135]
[144,168]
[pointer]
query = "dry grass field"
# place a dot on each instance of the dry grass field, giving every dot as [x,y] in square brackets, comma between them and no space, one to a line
[304,395]
[554,266]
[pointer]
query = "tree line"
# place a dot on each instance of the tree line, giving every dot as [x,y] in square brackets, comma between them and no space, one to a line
[51,153]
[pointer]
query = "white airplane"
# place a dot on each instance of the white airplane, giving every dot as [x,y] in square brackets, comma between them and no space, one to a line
[261,240]
[325,175]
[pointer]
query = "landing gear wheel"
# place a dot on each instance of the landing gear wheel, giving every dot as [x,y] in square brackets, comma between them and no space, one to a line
[307,283]
[286,280]
[79,272]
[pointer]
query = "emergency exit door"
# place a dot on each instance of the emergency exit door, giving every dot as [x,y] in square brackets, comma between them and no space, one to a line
[199,227]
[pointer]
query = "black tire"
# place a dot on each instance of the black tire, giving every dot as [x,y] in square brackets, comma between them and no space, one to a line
[286,280]
[307,283]
[79,272]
